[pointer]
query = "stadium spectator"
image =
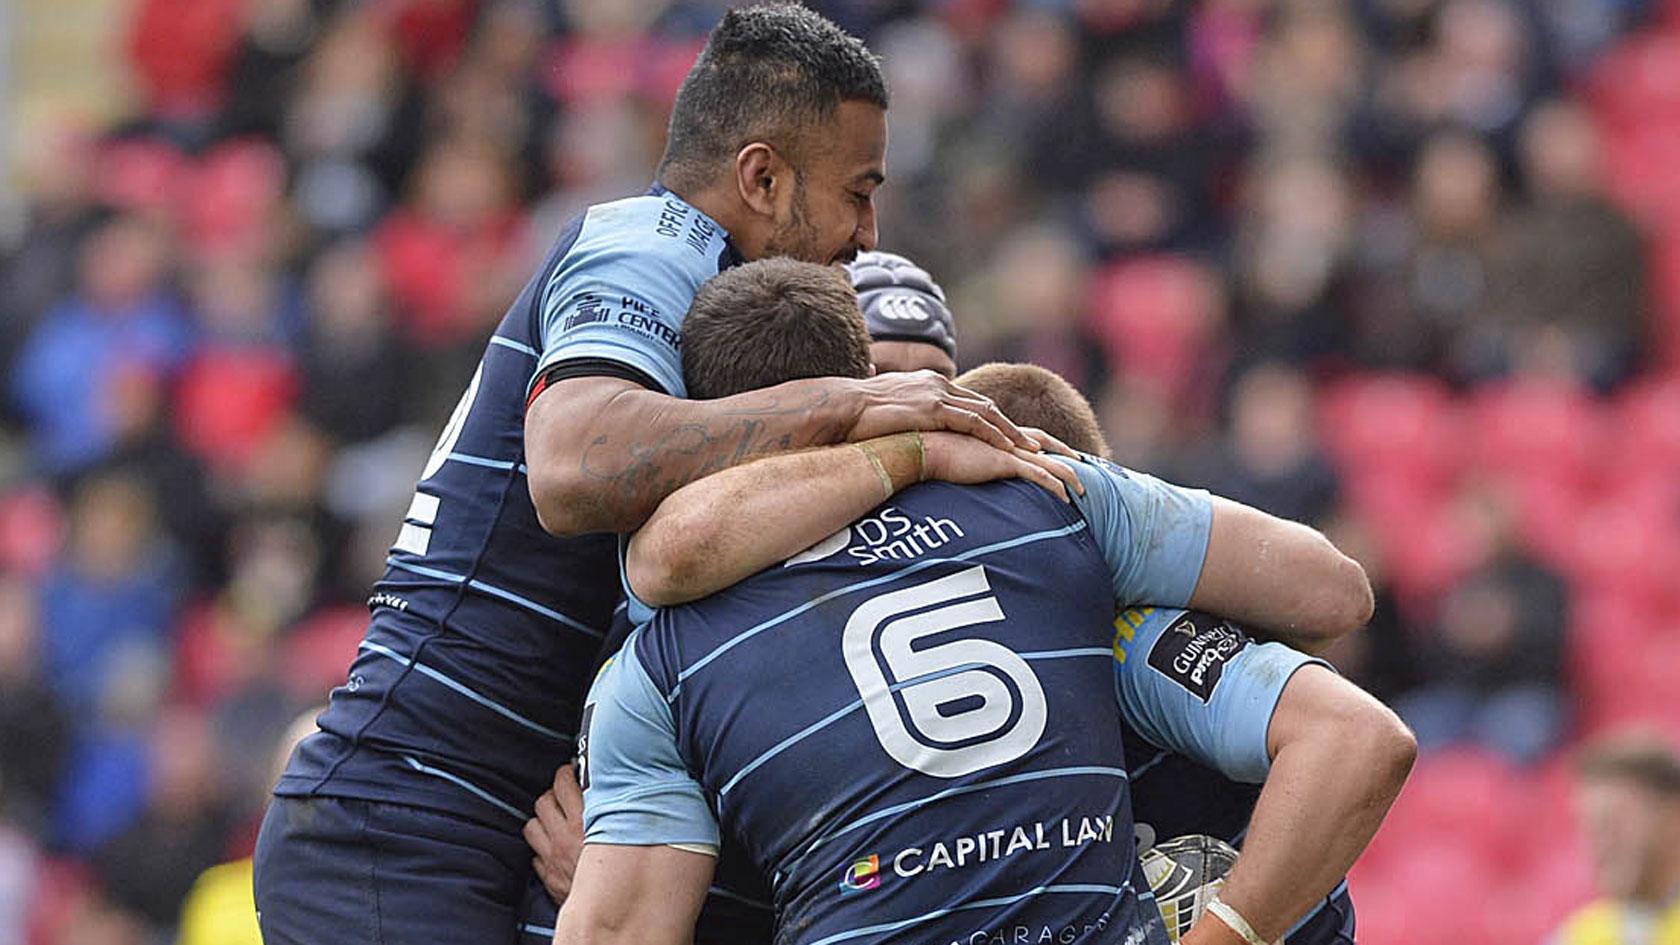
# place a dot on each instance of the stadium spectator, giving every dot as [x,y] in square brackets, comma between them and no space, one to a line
[34,732]
[1494,664]
[1271,459]
[1569,284]
[147,868]
[114,591]
[1628,803]
[121,317]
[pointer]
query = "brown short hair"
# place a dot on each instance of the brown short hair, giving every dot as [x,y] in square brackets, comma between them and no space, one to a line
[1036,397]
[772,321]
[1644,758]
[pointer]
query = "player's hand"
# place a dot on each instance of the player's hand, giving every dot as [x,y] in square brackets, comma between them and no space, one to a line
[1049,444]
[953,457]
[556,833]
[928,401]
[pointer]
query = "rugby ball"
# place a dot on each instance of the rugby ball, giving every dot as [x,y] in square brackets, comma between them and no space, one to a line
[1184,873]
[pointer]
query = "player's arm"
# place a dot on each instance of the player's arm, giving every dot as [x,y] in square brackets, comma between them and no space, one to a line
[1183,547]
[1281,576]
[635,895]
[712,533]
[1339,758]
[603,451]
[650,837]
[1331,757]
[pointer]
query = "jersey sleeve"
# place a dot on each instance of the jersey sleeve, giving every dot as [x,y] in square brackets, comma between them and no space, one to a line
[1198,685]
[614,301]
[636,789]
[1153,534]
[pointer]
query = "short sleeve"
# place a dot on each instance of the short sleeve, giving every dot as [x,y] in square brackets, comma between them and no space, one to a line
[636,789]
[1154,535]
[620,292]
[1199,685]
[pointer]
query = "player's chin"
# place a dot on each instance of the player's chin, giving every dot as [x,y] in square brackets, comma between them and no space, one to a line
[844,256]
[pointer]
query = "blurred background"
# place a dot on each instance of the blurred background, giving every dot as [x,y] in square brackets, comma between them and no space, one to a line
[1405,269]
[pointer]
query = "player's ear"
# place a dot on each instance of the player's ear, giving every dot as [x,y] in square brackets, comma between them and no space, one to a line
[761,175]
[873,370]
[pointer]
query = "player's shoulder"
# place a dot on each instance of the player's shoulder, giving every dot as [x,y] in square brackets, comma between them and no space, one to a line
[656,231]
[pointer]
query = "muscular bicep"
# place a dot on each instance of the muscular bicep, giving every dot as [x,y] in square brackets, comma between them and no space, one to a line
[1279,576]
[634,895]
[560,424]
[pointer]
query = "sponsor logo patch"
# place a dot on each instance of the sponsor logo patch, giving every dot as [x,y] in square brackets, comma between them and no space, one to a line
[861,875]
[1194,650]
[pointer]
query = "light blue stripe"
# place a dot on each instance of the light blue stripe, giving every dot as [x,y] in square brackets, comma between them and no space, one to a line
[461,782]
[494,591]
[530,929]
[1046,774]
[818,726]
[510,343]
[1102,651]
[862,585]
[488,703]
[487,462]
[1144,768]
[1083,888]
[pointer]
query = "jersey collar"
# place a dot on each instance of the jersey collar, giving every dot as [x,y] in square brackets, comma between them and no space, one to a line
[731,256]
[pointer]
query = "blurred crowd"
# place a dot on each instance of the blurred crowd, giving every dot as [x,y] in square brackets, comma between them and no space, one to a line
[1405,269]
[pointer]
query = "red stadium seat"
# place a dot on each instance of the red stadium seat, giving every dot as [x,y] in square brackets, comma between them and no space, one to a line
[318,652]
[1648,417]
[1402,425]
[228,197]
[140,174]
[31,530]
[1463,796]
[229,399]
[1537,428]
[1158,317]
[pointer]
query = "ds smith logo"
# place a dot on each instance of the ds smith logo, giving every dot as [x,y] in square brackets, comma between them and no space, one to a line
[890,535]
[862,875]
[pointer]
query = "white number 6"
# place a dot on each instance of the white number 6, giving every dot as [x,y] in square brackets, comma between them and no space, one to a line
[936,677]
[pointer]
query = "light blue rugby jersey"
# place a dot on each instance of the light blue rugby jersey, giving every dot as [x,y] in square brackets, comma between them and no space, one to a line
[912,728]
[467,689]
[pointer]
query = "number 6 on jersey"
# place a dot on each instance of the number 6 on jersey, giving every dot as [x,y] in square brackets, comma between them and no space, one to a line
[953,693]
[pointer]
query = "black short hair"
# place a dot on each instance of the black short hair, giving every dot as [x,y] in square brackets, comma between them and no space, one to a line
[772,321]
[767,73]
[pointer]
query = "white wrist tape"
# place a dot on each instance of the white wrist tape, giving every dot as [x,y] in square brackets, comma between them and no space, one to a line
[1235,921]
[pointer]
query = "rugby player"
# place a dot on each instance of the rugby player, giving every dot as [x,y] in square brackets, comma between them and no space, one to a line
[911,328]
[809,809]
[400,819]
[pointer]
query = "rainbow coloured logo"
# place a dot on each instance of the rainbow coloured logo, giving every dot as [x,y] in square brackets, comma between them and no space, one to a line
[861,875]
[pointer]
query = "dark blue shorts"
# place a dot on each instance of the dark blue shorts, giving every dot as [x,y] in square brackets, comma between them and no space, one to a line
[348,872]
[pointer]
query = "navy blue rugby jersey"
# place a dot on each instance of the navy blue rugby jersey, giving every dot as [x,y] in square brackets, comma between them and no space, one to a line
[910,728]
[467,690]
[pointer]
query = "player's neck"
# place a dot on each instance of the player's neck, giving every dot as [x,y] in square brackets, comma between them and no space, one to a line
[724,208]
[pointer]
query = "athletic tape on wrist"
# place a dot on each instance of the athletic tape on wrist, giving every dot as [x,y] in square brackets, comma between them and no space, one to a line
[880,471]
[1234,920]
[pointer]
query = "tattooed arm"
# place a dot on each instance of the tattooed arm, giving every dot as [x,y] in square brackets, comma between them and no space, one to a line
[603,453]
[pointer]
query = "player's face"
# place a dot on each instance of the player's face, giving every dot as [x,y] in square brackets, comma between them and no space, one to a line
[1623,826]
[894,356]
[830,217]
